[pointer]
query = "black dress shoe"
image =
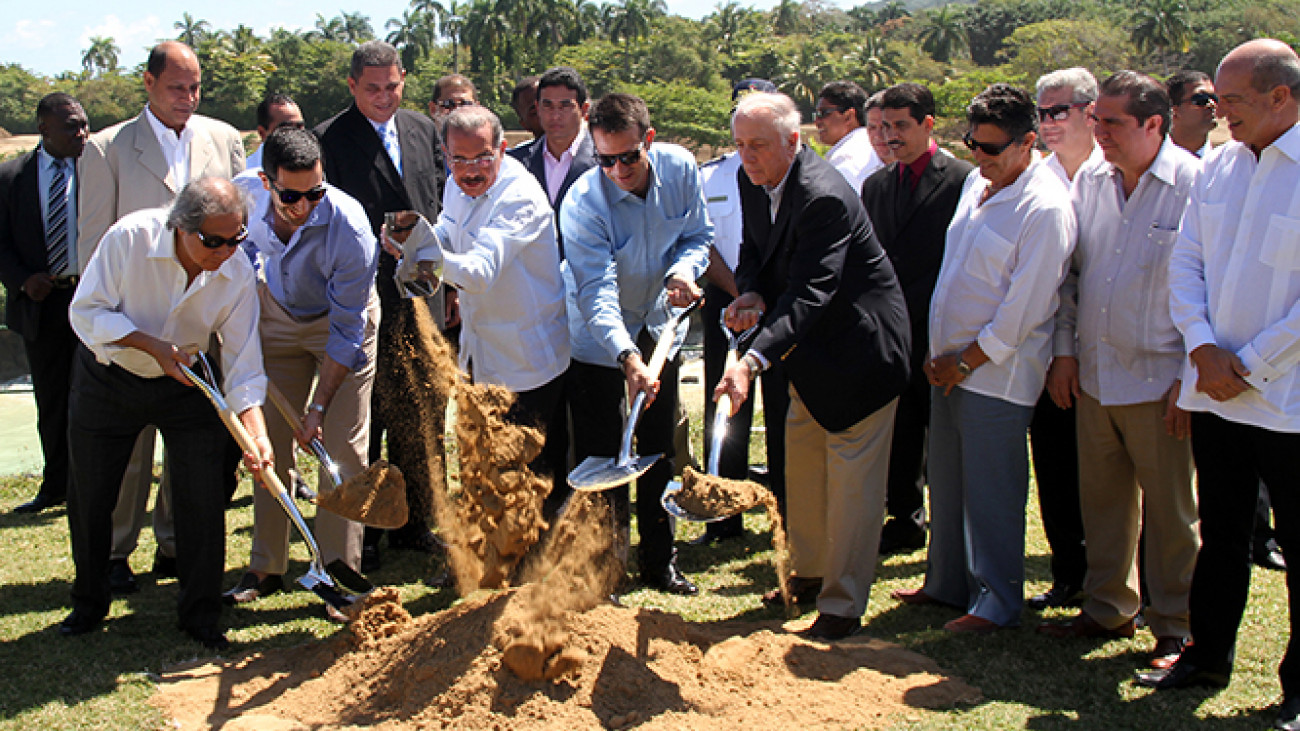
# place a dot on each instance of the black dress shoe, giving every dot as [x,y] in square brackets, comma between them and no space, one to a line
[1183,674]
[38,503]
[78,623]
[671,581]
[1266,555]
[1288,716]
[829,627]
[899,536]
[209,637]
[802,591]
[121,579]
[1060,595]
[251,588]
[164,566]
[370,559]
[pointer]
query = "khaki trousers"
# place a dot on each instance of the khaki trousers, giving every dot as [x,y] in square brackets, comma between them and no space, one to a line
[835,499]
[1135,478]
[292,351]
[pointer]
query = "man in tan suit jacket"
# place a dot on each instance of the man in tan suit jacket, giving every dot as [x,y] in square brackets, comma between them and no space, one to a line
[143,163]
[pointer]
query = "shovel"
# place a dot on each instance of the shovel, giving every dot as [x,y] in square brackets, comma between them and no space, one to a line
[367,497]
[721,413]
[319,578]
[602,473]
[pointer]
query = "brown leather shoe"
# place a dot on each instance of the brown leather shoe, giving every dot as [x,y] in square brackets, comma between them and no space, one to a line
[1167,651]
[1085,626]
[913,596]
[970,624]
[802,591]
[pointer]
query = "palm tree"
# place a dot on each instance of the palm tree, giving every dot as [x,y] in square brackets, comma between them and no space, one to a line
[413,35]
[806,74]
[944,33]
[243,40]
[486,32]
[786,17]
[102,55]
[328,30]
[892,10]
[192,31]
[452,25]
[357,27]
[1161,26]
[724,24]
[877,65]
[629,20]
[587,22]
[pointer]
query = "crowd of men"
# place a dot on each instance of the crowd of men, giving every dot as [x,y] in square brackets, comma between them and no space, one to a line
[1128,301]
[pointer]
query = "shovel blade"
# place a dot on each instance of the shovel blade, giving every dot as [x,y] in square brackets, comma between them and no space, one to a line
[669,501]
[351,580]
[326,590]
[603,473]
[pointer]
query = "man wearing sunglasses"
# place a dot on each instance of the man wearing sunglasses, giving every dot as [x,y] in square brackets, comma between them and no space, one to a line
[451,92]
[841,123]
[160,285]
[637,238]
[990,340]
[316,259]
[1192,94]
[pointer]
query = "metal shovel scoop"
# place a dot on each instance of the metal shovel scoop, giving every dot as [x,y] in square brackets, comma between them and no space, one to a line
[324,580]
[721,413]
[602,473]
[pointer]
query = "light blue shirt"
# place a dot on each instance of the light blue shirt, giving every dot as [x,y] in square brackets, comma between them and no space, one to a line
[620,249]
[326,267]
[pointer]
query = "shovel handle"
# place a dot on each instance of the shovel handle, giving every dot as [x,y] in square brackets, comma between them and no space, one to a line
[290,415]
[721,413]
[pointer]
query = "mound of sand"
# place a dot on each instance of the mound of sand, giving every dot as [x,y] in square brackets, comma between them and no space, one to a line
[628,668]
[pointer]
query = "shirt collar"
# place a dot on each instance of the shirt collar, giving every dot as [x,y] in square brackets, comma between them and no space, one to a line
[922,160]
[1289,143]
[46,160]
[775,191]
[381,128]
[162,130]
[845,140]
[572,151]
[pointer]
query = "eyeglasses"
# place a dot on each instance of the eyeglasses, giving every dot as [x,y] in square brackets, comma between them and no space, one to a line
[992,149]
[629,158]
[481,161]
[825,112]
[212,241]
[1203,99]
[290,197]
[450,104]
[1059,112]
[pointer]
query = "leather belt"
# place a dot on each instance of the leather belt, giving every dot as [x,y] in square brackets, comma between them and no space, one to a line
[66,282]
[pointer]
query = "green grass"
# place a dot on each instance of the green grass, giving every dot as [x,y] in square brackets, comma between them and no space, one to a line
[104,680]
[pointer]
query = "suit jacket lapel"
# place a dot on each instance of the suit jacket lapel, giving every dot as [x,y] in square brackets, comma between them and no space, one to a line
[410,153]
[202,153]
[29,202]
[151,154]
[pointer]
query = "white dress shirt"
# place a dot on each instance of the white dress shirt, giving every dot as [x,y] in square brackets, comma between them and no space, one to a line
[1095,158]
[1234,277]
[175,149]
[134,282]
[44,174]
[722,197]
[557,169]
[1117,291]
[1002,265]
[854,157]
[499,250]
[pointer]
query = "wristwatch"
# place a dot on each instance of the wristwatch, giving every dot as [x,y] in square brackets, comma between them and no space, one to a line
[754,364]
[963,367]
[622,357]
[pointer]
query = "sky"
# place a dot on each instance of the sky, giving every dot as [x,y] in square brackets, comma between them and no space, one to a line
[49,39]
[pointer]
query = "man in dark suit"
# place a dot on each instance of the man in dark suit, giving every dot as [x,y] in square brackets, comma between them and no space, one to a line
[38,245]
[388,159]
[911,202]
[834,315]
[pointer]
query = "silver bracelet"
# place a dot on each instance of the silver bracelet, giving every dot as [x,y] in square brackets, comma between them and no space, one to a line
[317,407]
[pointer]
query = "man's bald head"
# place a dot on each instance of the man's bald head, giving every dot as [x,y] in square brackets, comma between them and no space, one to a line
[172,79]
[1258,84]
[1270,63]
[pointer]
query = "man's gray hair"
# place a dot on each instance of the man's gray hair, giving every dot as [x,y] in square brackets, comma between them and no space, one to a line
[204,198]
[1078,80]
[1272,70]
[469,119]
[374,54]
[784,113]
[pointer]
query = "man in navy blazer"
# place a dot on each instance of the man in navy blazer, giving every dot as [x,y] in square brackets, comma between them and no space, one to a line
[38,244]
[833,314]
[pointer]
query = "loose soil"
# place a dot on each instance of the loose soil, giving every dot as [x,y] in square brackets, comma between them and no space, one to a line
[376,497]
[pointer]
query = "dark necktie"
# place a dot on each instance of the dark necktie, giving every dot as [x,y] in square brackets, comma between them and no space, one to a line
[56,221]
[904,196]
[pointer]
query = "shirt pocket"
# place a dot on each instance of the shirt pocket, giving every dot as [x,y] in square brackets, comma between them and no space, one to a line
[1160,241]
[1281,247]
[989,257]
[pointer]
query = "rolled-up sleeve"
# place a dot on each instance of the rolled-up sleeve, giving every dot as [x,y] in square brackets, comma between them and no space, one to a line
[348,291]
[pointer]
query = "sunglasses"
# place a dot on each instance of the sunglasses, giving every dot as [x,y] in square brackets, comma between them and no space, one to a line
[450,104]
[216,242]
[290,197]
[992,149]
[629,158]
[826,112]
[1059,112]
[1203,99]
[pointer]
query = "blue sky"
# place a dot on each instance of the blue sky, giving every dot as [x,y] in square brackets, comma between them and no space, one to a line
[49,39]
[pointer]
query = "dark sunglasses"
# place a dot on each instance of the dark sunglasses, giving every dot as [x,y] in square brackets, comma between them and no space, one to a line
[631,157]
[1203,99]
[216,242]
[450,104]
[826,112]
[992,149]
[290,197]
[1059,112]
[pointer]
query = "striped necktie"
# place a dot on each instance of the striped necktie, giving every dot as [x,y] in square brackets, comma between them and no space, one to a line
[56,220]
[390,145]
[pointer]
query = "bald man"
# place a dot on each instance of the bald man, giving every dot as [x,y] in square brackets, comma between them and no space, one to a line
[1235,298]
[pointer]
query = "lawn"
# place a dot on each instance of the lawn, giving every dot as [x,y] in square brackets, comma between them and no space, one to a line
[103,681]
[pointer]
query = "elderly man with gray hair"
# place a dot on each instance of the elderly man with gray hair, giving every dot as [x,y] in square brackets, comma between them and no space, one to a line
[495,242]
[159,285]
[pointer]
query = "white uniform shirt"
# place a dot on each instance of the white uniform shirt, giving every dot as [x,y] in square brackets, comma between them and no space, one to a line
[134,282]
[1002,265]
[854,157]
[1234,277]
[722,197]
[499,250]
[1117,292]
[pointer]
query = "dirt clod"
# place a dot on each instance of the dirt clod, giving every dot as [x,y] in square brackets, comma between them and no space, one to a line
[376,497]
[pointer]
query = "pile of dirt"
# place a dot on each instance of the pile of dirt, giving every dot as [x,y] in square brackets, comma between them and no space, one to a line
[628,668]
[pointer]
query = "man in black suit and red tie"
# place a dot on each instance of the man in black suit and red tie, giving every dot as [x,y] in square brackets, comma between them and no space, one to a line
[833,314]
[38,249]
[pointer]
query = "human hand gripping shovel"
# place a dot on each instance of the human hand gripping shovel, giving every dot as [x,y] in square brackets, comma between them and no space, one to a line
[603,473]
[328,582]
